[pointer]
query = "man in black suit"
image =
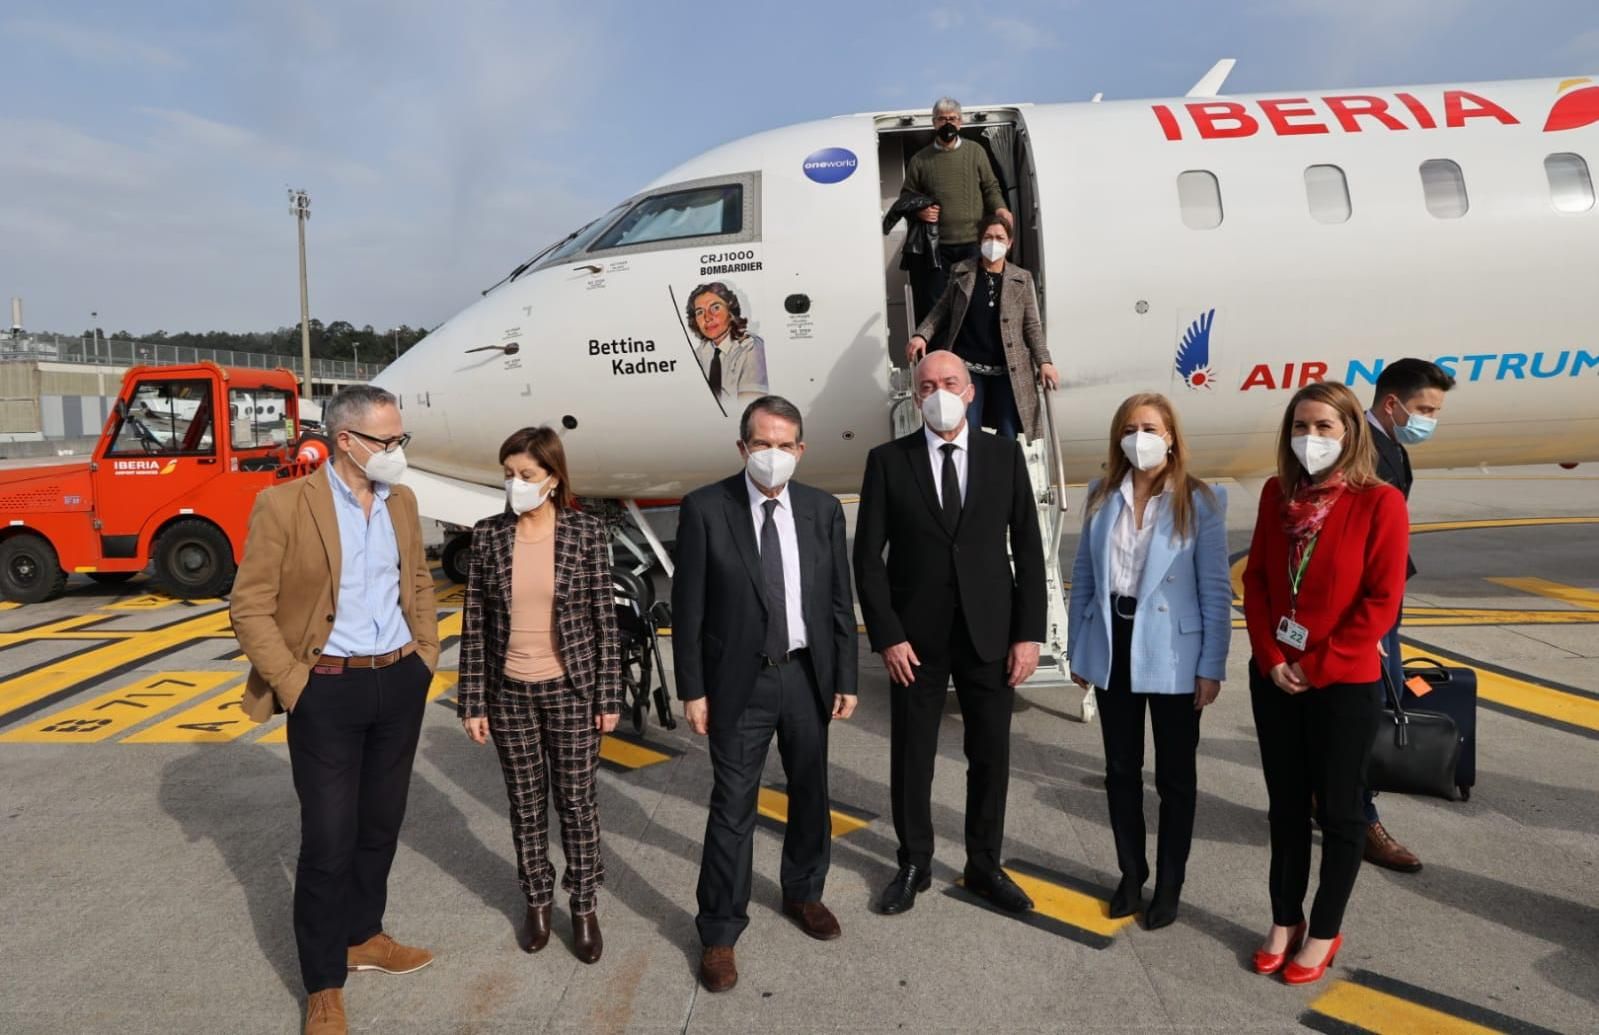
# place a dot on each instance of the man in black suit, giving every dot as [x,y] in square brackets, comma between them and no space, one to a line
[944,501]
[763,637]
[1404,410]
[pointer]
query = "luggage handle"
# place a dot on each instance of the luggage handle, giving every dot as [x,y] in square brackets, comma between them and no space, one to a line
[1429,665]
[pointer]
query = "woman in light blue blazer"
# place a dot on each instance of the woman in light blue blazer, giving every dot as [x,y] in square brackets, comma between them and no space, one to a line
[1150,622]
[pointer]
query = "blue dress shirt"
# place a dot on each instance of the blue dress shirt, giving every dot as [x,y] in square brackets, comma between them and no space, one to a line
[368,618]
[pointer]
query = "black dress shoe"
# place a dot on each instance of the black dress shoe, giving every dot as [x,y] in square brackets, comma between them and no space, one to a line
[998,888]
[1128,899]
[900,895]
[537,933]
[1162,909]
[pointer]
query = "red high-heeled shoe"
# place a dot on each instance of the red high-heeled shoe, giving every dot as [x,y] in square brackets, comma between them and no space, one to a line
[1271,962]
[1298,975]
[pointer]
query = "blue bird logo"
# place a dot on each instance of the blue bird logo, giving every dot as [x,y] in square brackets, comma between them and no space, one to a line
[1193,353]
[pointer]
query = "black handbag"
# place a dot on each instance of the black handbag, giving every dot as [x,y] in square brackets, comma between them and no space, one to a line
[1414,752]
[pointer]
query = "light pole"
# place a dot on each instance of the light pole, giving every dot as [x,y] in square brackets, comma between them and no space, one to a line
[355,352]
[94,329]
[396,344]
[300,206]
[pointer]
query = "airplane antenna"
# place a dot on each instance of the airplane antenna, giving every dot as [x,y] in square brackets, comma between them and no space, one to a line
[1211,82]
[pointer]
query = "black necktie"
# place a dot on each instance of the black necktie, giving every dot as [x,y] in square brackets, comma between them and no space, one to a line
[951,487]
[776,597]
[716,377]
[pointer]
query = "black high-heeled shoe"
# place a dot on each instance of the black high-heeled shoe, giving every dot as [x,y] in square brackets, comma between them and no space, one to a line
[1162,909]
[1128,899]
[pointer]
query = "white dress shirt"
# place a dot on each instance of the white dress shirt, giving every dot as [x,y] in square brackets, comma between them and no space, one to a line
[935,452]
[788,543]
[1129,544]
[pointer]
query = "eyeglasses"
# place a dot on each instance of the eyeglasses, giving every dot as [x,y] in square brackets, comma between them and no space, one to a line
[388,445]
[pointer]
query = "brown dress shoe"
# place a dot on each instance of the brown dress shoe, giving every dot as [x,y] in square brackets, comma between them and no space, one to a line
[813,918]
[586,941]
[324,1013]
[380,952]
[718,972]
[1382,850]
[537,933]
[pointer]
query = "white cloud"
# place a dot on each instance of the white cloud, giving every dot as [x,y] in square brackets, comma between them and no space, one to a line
[89,44]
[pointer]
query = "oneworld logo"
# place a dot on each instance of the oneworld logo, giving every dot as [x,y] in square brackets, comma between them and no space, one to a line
[831,164]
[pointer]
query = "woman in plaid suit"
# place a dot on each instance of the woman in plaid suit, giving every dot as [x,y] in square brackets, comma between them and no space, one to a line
[541,673]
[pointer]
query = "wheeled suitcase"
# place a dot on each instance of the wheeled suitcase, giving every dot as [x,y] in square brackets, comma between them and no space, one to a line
[1454,693]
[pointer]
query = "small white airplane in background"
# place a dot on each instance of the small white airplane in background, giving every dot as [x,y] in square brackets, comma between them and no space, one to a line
[1222,249]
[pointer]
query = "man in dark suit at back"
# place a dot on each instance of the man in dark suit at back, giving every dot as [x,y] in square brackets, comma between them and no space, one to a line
[763,641]
[944,502]
[1404,411]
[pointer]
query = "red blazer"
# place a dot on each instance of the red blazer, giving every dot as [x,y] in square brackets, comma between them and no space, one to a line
[1351,593]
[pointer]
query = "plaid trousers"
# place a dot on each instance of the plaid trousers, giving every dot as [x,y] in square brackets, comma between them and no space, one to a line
[546,738]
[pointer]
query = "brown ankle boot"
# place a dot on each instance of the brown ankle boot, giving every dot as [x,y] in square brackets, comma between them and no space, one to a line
[1382,850]
[324,1013]
[586,941]
[537,933]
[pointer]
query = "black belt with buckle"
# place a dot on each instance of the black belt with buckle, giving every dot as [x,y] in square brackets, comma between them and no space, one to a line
[1123,607]
[793,655]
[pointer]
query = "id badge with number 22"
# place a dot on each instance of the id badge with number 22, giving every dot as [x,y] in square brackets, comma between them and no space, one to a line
[1292,633]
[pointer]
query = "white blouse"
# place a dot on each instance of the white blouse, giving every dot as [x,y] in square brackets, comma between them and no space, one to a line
[1129,544]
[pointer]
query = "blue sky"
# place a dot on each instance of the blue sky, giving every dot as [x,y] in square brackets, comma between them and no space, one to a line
[145,148]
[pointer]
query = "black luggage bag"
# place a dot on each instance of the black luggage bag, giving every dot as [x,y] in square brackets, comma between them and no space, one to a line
[1454,693]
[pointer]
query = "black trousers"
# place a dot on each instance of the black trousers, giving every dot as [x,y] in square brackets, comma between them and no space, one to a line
[1314,743]
[916,712]
[784,701]
[352,737]
[1121,722]
[928,284]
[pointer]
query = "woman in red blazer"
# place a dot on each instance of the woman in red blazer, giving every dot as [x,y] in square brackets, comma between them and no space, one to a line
[1324,582]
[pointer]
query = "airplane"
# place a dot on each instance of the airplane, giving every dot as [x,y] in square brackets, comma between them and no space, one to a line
[1222,249]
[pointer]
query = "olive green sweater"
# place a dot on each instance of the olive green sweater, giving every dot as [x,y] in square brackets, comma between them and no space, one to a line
[963,184]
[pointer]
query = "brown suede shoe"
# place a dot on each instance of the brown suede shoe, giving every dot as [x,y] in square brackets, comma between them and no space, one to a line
[586,941]
[1382,850]
[324,1013]
[718,972]
[380,952]
[813,918]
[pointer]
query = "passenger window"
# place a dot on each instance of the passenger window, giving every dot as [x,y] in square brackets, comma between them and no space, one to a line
[1327,191]
[1200,197]
[712,211]
[259,418]
[1570,186]
[166,418]
[1444,186]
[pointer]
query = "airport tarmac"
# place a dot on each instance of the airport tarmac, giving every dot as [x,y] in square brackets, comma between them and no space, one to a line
[150,834]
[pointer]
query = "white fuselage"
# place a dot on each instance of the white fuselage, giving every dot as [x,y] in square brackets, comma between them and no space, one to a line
[1500,295]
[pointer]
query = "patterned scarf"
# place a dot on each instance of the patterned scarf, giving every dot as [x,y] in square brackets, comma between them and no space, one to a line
[1306,510]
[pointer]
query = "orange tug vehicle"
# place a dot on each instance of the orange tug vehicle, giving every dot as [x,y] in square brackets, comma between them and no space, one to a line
[170,485]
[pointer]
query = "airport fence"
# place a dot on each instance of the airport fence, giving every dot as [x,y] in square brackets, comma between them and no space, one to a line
[123,353]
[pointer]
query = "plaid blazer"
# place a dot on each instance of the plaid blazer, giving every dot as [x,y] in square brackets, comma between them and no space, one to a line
[585,612]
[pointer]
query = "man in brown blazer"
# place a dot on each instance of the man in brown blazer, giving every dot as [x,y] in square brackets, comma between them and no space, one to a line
[333,605]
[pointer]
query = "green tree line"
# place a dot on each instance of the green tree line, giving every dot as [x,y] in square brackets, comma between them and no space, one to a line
[337,340]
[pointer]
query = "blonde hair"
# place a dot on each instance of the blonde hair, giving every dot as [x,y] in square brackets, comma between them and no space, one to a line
[1356,460]
[1175,474]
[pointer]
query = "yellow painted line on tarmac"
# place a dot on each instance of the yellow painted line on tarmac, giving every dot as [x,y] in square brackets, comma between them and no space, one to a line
[215,720]
[6,605]
[1574,595]
[1525,522]
[120,710]
[629,755]
[141,602]
[61,629]
[1496,616]
[40,683]
[1384,1014]
[1523,695]
[450,625]
[773,804]
[1236,573]
[1068,905]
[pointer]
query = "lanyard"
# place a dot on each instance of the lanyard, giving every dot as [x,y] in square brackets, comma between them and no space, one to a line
[1296,572]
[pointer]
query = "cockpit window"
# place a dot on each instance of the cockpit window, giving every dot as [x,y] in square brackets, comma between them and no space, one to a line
[711,211]
[579,240]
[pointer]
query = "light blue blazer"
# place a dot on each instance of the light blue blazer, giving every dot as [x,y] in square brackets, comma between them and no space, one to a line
[1183,624]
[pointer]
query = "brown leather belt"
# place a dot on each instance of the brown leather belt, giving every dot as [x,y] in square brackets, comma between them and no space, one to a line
[330,665]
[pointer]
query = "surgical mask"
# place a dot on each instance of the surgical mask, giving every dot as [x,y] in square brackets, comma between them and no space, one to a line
[948,131]
[525,496]
[994,251]
[943,410]
[1315,453]
[382,465]
[770,468]
[1145,450]
[1416,429]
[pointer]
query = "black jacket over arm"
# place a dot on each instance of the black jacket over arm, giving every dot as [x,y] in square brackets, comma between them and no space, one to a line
[1393,467]
[907,595]
[719,598]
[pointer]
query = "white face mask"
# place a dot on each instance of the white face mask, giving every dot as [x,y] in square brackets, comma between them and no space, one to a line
[943,410]
[994,251]
[381,466]
[525,496]
[1315,453]
[1145,450]
[770,468]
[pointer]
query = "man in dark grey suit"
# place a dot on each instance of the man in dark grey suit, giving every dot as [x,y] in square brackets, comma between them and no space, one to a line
[763,637]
